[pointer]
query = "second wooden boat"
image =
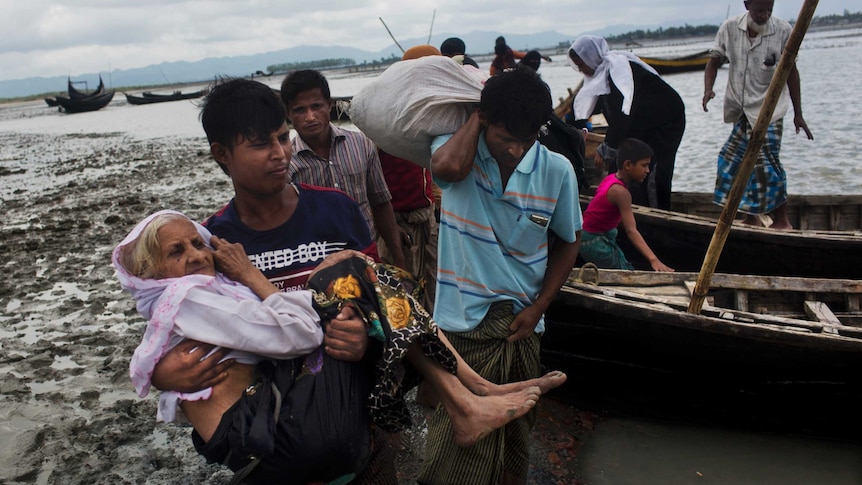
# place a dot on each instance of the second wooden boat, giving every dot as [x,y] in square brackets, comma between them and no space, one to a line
[829,246]
[151,98]
[677,64]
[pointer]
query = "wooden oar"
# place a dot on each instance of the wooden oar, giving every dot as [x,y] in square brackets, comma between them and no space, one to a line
[758,134]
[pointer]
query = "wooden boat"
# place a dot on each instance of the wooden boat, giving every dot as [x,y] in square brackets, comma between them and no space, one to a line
[673,65]
[76,94]
[52,102]
[151,98]
[89,103]
[767,353]
[757,329]
[828,245]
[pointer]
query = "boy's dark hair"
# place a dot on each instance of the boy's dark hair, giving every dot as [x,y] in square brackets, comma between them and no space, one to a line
[633,150]
[240,108]
[452,46]
[300,81]
[517,98]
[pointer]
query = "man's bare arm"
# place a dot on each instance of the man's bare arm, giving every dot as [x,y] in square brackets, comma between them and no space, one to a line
[710,72]
[453,161]
[560,262]
[794,86]
[387,226]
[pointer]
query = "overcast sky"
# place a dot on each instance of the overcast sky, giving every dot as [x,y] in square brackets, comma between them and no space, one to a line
[59,37]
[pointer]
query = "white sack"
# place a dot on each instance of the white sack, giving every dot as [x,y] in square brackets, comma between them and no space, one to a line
[413,101]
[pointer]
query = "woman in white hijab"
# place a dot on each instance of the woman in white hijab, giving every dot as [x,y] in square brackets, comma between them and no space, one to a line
[637,103]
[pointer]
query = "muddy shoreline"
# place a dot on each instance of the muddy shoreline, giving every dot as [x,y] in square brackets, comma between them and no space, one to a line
[69,413]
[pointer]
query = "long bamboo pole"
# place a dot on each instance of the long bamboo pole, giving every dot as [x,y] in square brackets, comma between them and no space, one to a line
[390,34]
[758,134]
[431,30]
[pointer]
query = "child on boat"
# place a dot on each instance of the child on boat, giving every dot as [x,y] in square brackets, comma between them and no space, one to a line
[611,205]
[289,413]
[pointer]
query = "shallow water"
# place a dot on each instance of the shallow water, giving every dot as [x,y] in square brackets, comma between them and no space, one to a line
[829,70]
[643,452]
[828,65]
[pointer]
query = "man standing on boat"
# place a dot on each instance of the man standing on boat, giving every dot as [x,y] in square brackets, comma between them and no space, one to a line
[752,44]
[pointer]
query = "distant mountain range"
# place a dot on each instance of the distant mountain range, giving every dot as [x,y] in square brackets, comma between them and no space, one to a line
[206,69]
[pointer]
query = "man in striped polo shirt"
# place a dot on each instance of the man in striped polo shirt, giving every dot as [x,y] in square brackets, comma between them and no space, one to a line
[508,239]
[327,156]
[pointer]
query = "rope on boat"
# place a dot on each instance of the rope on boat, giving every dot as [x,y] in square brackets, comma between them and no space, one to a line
[591,266]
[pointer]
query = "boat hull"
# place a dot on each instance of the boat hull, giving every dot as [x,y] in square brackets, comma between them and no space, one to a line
[150,98]
[832,250]
[91,103]
[674,65]
[600,323]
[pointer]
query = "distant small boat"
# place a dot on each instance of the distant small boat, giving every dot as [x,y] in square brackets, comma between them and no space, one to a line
[89,103]
[151,98]
[673,65]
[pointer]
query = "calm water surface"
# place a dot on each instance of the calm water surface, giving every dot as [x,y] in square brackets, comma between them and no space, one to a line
[828,63]
[829,68]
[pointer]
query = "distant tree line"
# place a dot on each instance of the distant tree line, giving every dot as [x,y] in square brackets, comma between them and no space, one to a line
[328,64]
[836,20]
[319,64]
[709,30]
[662,33]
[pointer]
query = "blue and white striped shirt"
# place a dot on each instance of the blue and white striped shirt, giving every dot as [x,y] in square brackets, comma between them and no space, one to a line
[493,244]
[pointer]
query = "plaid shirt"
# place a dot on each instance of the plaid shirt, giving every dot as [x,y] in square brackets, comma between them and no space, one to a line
[353,167]
[752,65]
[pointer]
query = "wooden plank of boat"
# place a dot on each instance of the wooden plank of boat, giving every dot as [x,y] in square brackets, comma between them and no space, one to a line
[824,212]
[640,317]
[150,98]
[680,240]
[676,64]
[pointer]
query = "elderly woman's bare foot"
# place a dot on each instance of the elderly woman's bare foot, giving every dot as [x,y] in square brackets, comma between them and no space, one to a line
[545,383]
[478,416]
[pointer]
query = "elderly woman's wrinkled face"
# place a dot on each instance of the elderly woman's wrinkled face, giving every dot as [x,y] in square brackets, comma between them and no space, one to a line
[183,252]
[582,66]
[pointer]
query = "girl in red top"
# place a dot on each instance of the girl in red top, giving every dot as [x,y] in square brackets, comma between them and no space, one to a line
[611,205]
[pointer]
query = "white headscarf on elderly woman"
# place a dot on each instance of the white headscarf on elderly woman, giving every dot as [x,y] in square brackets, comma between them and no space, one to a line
[607,64]
[159,300]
